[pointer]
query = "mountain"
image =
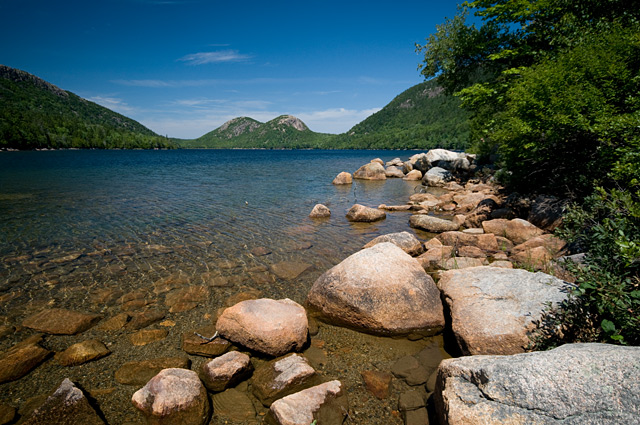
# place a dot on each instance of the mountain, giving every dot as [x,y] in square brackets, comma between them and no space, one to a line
[422,117]
[36,114]
[285,131]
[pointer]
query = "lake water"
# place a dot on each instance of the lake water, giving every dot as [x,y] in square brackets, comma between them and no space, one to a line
[96,231]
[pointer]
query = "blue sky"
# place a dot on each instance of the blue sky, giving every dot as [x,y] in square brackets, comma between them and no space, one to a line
[183,68]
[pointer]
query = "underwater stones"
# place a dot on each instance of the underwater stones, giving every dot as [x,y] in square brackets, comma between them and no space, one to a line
[21,359]
[67,405]
[173,397]
[360,213]
[289,270]
[58,321]
[282,377]
[273,327]
[140,372]
[380,290]
[82,352]
[377,383]
[233,404]
[196,345]
[147,336]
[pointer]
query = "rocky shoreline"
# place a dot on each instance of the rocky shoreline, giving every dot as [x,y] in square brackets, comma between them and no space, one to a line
[481,273]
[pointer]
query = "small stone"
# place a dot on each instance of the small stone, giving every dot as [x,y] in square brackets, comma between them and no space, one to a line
[320,211]
[173,396]
[147,336]
[7,414]
[289,270]
[225,371]
[21,359]
[409,369]
[82,352]
[144,319]
[140,372]
[114,323]
[193,344]
[377,383]
[58,321]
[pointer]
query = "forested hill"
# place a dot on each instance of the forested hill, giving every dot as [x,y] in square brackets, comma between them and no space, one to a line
[422,117]
[36,114]
[285,131]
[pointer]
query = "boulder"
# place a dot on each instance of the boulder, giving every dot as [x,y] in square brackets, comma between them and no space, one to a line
[22,358]
[517,230]
[320,211]
[419,162]
[393,172]
[413,175]
[82,352]
[58,321]
[453,263]
[225,371]
[546,212]
[396,162]
[381,290]
[343,178]
[360,213]
[282,377]
[173,397]
[433,224]
[405,240]
[480,213]
[394,207]
[140,372]
[493,309]
[66,405]
[437,176]
[537,252]
[486,242]
[431,259]
[370,171]
[572,384]
[326,403]
[273,327]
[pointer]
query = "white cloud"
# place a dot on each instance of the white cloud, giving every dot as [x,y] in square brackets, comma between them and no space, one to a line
[335,120]
[220,56]
[113,103]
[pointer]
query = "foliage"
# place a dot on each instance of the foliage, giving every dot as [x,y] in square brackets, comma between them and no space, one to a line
[554,90]
[38,115]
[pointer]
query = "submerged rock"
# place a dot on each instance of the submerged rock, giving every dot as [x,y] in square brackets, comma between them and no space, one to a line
[82,352]
[58,321]
[22,358]
[66,406]
[282,377]
[493,309]
[572,384]
[226,371]
[273,327]
[380,290]
[140,372]
[173,396]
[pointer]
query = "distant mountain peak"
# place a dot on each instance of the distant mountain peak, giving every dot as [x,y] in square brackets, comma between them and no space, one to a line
[291,121]
[237,126]
[17,76]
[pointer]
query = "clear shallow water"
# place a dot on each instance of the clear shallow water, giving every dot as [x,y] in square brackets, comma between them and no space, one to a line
[97,231]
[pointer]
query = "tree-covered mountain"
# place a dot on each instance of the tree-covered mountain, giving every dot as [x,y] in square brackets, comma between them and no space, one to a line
[36,114]
[421,117]
[284,131]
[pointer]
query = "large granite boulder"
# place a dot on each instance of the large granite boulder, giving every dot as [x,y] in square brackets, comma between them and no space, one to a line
[517,230]
[493,309]
[413,175]
[325,403]
[360,213]
[67,405]
[381,290]
[371,171]
[273,327]
[393,172]
[405,240]
[320,211]
[173,397]
[436,177]
[576,384]
[455,161]
[343,178]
